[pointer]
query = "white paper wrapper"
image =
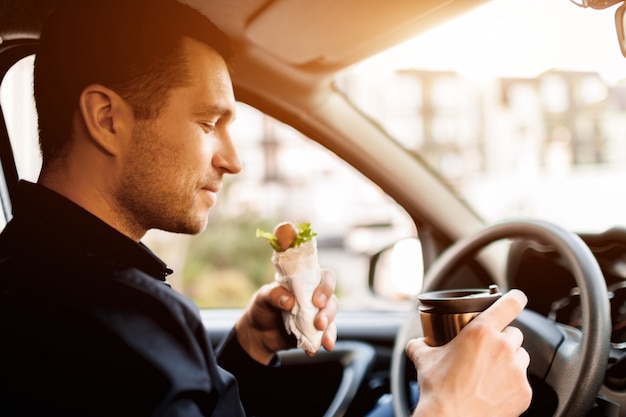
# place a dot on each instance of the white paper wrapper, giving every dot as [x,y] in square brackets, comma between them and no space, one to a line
[298,270]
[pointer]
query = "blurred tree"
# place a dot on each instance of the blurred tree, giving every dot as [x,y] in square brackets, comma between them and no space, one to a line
[227,263]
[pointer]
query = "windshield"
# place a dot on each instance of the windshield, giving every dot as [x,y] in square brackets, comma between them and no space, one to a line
[519,105]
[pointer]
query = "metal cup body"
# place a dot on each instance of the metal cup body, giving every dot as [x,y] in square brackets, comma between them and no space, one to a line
[439,329]
[444,313]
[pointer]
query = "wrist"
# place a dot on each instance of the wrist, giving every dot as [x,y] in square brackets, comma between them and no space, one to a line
[252,345]
[428,407]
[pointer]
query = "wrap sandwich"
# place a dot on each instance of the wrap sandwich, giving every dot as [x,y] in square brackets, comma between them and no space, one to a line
[297,269]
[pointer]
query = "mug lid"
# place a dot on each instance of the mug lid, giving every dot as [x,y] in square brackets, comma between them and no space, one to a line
[468,300]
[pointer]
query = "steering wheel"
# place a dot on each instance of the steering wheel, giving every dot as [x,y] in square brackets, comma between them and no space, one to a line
[571,362]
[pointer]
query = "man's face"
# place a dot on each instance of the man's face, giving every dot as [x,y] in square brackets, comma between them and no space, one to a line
[174,165]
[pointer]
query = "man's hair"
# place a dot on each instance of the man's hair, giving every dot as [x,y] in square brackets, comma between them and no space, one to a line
[133,47]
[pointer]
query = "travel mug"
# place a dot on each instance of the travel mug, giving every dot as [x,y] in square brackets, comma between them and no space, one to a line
[444,313]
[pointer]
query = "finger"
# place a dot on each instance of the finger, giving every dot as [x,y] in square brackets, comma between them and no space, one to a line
[514,336]
[278,296]
[522,357]
[327,314]
[329,337]
[325,289]
[501,313]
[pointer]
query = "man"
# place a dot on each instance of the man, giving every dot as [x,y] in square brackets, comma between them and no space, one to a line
[133,107]
[134,101]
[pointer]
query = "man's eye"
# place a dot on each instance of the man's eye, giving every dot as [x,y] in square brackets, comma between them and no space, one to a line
[208,127]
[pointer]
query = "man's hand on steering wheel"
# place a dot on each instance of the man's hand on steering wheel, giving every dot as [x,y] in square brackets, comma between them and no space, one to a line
[484,365]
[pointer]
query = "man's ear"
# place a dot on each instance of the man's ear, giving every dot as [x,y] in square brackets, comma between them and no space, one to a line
[106,117]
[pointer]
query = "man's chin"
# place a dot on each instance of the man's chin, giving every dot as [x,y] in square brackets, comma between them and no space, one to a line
[188,228]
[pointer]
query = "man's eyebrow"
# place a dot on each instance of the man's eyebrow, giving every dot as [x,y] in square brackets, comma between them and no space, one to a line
[216,109]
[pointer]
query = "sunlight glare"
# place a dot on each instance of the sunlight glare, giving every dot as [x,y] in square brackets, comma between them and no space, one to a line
[529,41]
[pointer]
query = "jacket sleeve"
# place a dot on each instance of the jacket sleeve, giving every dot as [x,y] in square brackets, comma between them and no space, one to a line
[254,379]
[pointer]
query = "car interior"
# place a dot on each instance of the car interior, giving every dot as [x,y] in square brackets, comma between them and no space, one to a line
[290,57]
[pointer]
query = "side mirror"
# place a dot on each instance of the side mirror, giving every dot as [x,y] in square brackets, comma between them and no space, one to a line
[619,25]
[397,271]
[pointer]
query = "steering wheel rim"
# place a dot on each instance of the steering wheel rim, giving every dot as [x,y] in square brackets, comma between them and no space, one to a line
[576,386]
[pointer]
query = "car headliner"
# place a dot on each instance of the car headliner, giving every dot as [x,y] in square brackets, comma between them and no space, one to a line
[324,35]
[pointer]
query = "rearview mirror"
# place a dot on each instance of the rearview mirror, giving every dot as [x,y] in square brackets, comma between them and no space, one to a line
[397,271]
[619,25]
[619,16]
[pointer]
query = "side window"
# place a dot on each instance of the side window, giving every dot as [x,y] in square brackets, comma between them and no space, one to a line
[285,176]
[18,105]
[16,101]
